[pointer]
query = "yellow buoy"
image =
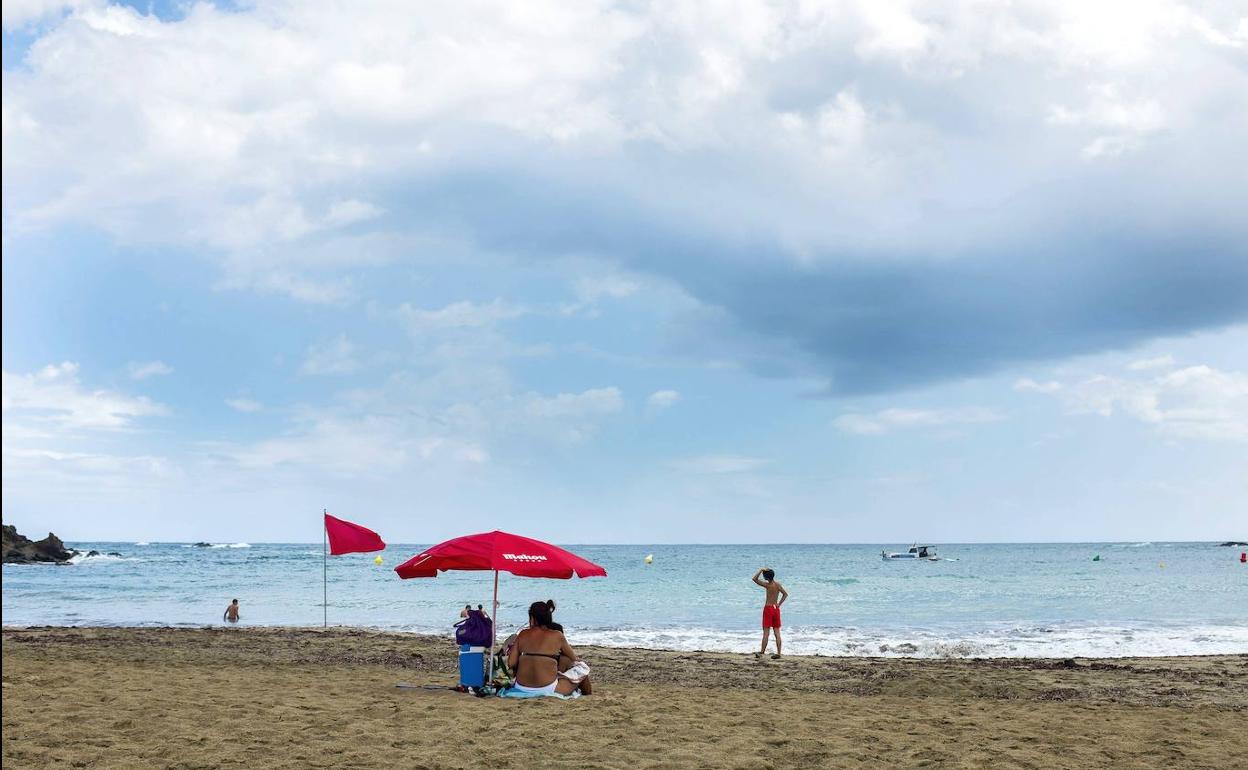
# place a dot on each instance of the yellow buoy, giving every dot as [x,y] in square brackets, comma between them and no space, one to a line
[649,558]
[377,561]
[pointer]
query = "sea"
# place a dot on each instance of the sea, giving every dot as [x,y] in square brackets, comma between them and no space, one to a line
[980,600]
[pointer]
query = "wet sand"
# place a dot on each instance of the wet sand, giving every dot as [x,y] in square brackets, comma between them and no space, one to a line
[302,698]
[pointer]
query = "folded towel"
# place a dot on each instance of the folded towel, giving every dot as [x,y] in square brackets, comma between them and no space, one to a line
[578,671]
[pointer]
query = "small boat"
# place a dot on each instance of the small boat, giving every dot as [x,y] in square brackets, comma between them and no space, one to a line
[916,552]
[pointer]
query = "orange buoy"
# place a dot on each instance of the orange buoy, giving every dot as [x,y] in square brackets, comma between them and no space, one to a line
[1243,557]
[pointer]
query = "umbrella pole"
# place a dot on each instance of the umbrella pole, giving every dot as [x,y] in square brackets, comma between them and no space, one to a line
[493,628]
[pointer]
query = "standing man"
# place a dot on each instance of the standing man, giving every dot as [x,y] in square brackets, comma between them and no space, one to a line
[231,612]
[776,595]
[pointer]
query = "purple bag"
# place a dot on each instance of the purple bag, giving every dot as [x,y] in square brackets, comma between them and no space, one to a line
[476,629]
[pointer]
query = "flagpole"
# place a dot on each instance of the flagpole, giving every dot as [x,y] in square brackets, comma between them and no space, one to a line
[324,568]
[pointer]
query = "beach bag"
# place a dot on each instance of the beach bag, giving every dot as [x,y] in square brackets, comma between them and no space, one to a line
[476,629]
[501,675]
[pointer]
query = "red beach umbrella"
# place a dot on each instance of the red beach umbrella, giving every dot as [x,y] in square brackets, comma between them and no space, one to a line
[500,552]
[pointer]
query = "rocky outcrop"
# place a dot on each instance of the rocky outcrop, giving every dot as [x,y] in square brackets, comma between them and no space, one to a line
[19,549]
[1233,543]
[202,544]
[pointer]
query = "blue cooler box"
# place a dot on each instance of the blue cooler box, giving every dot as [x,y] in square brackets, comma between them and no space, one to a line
[471,665]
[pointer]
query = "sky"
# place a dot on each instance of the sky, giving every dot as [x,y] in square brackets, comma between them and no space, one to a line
[631,272]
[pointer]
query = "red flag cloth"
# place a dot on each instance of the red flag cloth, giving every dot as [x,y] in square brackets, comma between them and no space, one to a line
[345,537]
[499,551]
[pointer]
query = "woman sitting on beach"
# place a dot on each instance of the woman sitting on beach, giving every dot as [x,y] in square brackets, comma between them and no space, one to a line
[537,653]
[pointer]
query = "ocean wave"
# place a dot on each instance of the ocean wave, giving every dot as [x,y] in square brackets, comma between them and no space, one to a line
[142,542]
[99,558]
[1016,642]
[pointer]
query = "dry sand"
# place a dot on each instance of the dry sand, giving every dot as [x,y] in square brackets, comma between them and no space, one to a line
[291,698]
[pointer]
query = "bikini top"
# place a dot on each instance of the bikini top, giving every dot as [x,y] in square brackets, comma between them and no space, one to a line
[555,656]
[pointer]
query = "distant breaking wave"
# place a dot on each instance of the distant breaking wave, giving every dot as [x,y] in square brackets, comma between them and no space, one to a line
[99,558]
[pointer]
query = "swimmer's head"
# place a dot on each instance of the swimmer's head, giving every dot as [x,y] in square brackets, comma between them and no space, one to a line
[769,575]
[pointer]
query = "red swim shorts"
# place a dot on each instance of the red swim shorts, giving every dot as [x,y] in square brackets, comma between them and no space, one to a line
[771,616]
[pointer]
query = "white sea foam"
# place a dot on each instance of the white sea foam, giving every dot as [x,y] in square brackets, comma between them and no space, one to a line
[99,558]
[142,542]
[1033,642]
[1018,642]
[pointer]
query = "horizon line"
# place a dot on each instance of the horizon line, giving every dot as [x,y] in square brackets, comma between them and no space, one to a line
[930,543]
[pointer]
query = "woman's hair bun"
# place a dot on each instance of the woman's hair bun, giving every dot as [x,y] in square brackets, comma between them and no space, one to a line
[551,604]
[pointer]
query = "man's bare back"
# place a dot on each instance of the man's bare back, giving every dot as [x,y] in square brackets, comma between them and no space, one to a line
[773,592]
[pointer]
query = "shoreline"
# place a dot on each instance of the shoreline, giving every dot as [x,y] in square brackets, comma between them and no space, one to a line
[422,638]
[300,697]
[899,651]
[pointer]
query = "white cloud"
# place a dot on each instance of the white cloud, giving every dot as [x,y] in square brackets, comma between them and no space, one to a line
[88,473]
[54,397]
[662,399]
[719,464]
[376,433]
[245,405]
[1157,362]
[889,420]
[458,315]
[1195,402]
[369,445]
[1119,124]
[336,356]
[19,13]
[350,212]
[591,288]
[141,371]
[591,282]
[224,151]
[891,31]
[842,123]
[564,417]
[1028,385]
[69,439]
[595,401]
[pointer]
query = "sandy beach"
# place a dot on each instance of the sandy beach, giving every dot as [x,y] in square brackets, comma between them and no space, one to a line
[304,698]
